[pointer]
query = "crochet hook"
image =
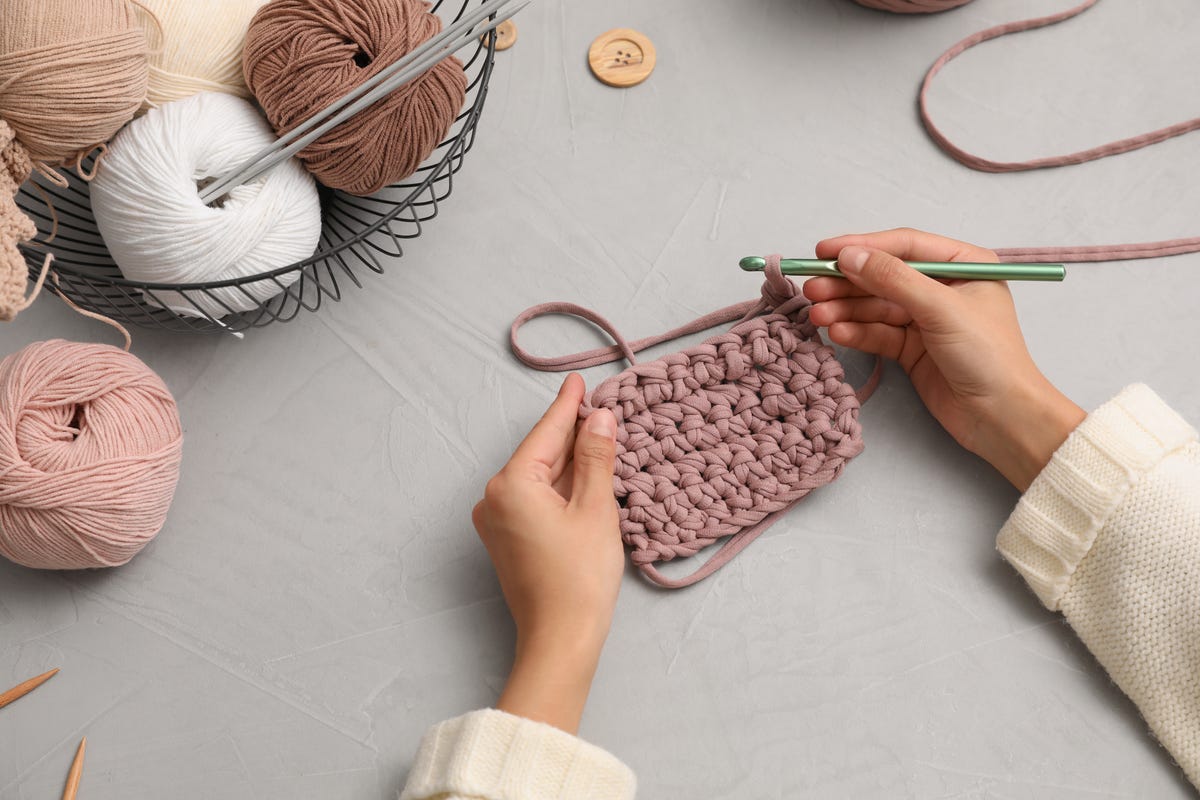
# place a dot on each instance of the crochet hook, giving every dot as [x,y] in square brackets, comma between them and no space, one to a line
[934,269]
[22,689]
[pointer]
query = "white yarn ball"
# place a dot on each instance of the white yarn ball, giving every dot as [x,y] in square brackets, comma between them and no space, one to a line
[146,202]
[196,46]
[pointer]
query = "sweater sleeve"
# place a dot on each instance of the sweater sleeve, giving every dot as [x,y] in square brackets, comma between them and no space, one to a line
[491,755]
[1109,534]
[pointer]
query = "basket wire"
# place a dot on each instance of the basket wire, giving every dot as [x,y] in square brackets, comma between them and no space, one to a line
[357,234]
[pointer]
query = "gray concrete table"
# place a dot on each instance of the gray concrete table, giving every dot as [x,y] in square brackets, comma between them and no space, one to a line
[319,598]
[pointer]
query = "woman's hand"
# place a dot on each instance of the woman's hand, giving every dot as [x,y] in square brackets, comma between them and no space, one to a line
[549,522]
[960,344]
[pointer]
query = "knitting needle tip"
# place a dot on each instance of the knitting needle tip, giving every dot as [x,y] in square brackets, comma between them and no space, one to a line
[22,689]
[76,772]
[753,263]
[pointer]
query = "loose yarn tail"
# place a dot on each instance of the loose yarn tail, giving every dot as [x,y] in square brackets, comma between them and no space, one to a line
[15,227]
[1119,252]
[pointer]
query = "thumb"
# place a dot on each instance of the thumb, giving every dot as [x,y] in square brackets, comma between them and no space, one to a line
[595,452]
[884,275]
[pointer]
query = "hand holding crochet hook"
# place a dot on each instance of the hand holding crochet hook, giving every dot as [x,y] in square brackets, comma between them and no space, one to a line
[960,344]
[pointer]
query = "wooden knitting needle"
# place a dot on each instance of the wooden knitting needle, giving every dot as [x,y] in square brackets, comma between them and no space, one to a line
[76,772]
[22,689]
[934,269]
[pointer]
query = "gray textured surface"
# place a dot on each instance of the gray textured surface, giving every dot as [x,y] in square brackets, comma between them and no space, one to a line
[319,598]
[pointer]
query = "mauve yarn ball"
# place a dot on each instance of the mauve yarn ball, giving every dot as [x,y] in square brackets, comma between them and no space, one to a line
[912,6]
[90,444]
[301,55]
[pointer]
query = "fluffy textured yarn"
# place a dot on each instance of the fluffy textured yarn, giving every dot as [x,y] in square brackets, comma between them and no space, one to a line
[15,227]
[197,47]
[301,55]
[147,206]
[912,6]
[714,440]
[90,444]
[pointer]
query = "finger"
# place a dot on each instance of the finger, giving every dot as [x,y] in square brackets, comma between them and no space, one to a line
[549,444]
[910,245]
[595,452]
[871,337]
[859,309]
[930,303]
[821,289]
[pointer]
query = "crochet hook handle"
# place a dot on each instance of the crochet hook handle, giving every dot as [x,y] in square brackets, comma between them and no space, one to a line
[934,269]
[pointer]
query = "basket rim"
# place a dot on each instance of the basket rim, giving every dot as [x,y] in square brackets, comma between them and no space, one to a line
[452,150]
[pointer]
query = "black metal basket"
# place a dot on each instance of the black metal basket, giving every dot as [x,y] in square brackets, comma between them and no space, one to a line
[356,232]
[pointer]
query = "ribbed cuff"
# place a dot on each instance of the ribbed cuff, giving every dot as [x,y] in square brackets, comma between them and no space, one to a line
[1056,521]
[491,754]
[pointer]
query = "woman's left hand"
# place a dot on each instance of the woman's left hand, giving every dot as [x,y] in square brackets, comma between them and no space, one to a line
[549,522]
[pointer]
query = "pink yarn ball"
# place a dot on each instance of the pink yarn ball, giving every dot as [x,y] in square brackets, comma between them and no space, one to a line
[912,6]
[90,444]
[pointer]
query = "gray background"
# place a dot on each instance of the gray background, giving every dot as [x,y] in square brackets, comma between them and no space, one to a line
[319,598]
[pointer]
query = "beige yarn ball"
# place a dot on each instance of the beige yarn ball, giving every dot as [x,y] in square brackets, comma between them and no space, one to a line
[196,47]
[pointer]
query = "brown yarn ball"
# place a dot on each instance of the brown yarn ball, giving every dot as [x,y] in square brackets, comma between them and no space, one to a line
[72,72]
[301,55]
[912,6]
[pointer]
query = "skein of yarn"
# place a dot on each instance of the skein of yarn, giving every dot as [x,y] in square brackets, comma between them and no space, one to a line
[301,55]
[146,202]
[912,6]
[72,72]
[197,47]
[90,445]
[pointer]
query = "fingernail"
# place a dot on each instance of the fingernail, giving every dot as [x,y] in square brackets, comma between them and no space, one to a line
[852,259]
[602,423]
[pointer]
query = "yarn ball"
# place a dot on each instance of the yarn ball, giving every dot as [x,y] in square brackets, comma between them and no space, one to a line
[90,444]
[301,55]
[196,47]
[912,6]
[72,72]
[146,202]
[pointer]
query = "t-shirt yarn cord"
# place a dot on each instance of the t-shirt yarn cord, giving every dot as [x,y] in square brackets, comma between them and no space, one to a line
[719,439]
[1119,252]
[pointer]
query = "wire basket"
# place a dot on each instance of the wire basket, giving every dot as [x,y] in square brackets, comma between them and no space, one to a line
[356,233]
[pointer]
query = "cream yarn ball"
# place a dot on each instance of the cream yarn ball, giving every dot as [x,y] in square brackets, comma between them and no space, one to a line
[146,202]
[196,46]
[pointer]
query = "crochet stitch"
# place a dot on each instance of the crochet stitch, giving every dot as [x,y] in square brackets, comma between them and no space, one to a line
[716,440]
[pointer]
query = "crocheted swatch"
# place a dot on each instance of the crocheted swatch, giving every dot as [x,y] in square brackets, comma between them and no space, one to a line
[716,440]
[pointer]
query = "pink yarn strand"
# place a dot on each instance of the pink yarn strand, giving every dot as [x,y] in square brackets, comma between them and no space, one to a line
[1118,252]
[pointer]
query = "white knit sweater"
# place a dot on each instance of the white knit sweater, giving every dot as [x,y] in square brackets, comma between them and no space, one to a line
[1108,534]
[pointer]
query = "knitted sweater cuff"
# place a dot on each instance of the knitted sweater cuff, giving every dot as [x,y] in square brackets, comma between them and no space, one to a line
[1056,521]
[494,755]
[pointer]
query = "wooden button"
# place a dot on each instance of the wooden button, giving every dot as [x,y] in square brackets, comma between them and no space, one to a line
[506,35]
[621,57]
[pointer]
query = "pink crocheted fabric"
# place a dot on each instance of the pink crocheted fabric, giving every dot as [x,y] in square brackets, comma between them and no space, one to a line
[717,440]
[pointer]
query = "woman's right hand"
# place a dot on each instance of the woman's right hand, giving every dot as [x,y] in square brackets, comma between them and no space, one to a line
[959,342]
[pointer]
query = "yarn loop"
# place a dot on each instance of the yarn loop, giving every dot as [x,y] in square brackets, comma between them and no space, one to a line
[90,445]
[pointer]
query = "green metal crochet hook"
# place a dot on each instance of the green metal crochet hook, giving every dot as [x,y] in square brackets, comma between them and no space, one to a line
[934,269]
